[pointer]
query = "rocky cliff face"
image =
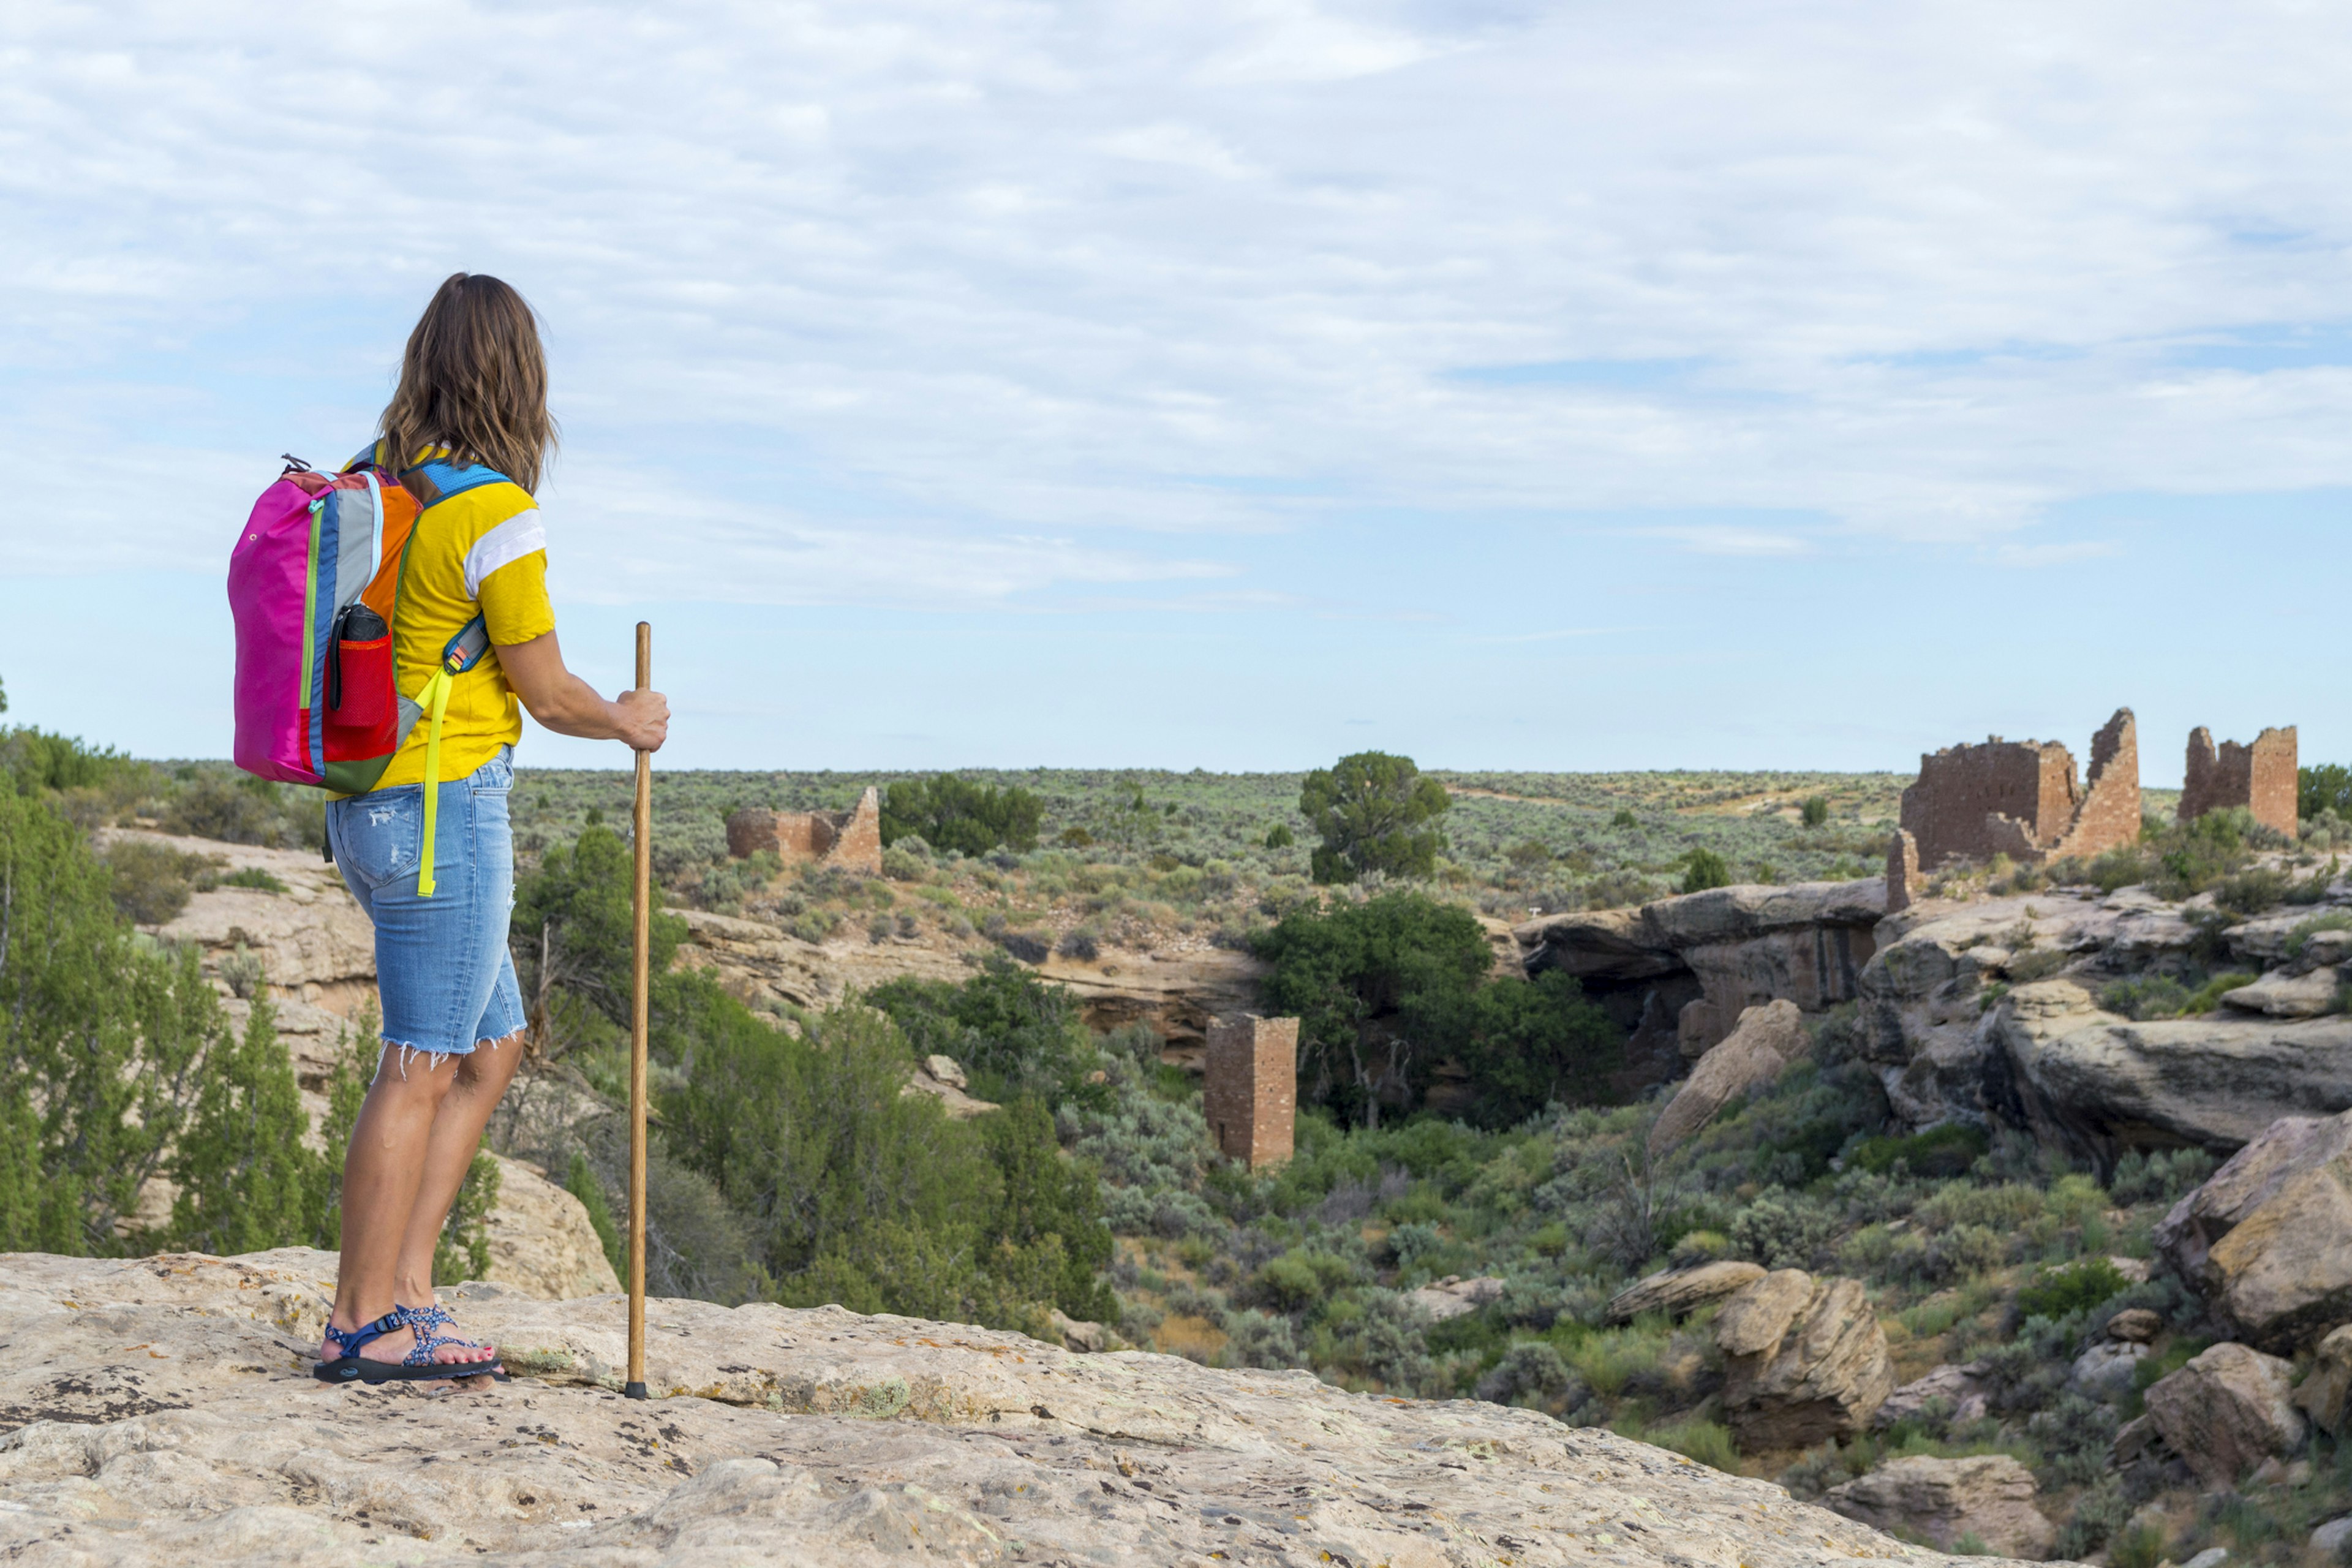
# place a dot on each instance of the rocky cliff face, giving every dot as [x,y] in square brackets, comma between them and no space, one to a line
[160,1409]
[1991,1011]
[1176,993]
[1679,972]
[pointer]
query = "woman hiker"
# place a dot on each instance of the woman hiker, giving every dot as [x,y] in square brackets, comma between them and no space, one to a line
[472,398]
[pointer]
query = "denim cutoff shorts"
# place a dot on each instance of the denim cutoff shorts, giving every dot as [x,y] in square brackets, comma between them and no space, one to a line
[442,963]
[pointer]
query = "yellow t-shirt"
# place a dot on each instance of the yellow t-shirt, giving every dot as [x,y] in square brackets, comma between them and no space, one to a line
[481,551]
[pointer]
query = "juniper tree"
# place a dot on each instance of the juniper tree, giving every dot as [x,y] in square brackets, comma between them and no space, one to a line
[247,1182]
[1369,809]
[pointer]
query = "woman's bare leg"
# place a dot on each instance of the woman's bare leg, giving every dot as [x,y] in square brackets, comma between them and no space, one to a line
[381,1173]
[456,1134]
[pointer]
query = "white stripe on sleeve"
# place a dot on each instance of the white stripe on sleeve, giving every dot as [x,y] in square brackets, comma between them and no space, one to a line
[512,539]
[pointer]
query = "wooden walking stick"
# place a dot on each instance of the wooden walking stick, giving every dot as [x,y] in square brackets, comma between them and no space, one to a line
[644,827]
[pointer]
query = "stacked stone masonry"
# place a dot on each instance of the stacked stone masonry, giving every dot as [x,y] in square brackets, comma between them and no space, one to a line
[2259,777]
[1249,1092]
[1903,883]
[851,840]
[2020,798]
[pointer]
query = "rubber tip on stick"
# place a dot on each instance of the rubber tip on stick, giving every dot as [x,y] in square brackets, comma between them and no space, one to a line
[635,1391]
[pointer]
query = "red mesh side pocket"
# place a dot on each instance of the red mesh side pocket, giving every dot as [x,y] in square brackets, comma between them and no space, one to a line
[360,722]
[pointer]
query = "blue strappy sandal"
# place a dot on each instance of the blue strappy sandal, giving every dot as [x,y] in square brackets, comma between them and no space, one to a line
[425,1320]
[416,1366]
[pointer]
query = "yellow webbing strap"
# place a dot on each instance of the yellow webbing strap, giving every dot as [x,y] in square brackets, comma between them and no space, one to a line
[434,698]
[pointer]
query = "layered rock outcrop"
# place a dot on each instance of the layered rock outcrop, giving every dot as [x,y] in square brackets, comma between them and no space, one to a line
[2097,1084]
[2267,1241]
[542,1244]
[1989,1497]
[160,1409]
[1677,974]
[1989,1011]
[1804,1360]
[1175,993]
[1760,1049]
[1678,1291]
[2227,1411]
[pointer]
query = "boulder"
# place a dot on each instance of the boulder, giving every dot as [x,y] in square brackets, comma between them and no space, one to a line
[2227,1411]
[1768,1039]
[2322,1392]
[541,1241]
[2136,1325]
[1454,1297]
[1091,1338]
[1989,1497]
[2267,1241]
[2105,1370]
[2282,995]
[1679,1292]
[2096,1084]
[1805,1359]
[1956,1386]
[2328,1541]
[160,1410]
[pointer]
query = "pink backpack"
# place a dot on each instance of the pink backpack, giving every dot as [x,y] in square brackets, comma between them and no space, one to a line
[314,586]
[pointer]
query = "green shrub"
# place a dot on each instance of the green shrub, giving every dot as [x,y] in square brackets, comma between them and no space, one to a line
[581,1182]
[2196,856]
[2300,937]
[1259,1339]
[1341,970]
[151,882]
[1695,1437]
[951,813]
[1814,812]
[99,1037]
[1704,868]
[1939,1152]
[462,1250]
[2324,787]
[256,876]
[1530,1371]
[2037,964]
[2251,891]
[2209,996]
[2075,1288]
[2145,996]
[1782,1231]
[1279,837]
[235,810]
[2162,1177]
[1011,1031]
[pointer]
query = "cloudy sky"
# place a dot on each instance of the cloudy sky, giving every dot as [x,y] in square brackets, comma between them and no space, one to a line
[1235,382]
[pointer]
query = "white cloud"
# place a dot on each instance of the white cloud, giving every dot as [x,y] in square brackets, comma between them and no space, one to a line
[987,290]
[1720,540]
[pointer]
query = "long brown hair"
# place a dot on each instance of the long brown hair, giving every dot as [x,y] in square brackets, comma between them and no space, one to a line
[474,379]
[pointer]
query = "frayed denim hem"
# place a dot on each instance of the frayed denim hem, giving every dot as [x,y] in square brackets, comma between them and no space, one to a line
[403,1053]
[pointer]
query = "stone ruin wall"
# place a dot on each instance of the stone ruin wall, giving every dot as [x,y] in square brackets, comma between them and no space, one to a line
[2261,777]
[1903,886]
[851,840]
[2018,798]
[1250,1087]
[2109,815]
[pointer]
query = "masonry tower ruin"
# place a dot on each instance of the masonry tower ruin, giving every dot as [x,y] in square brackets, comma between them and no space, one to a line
[1251,1091]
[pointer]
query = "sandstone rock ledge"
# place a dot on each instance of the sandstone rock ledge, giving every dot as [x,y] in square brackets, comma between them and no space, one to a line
[160,1410]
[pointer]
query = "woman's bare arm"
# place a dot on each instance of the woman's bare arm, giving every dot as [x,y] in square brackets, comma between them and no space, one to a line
[568,705]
